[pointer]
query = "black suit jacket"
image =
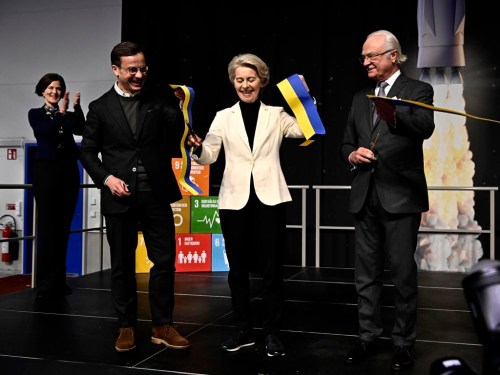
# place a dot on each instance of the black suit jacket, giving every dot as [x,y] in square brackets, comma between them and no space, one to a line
[398,172]
[108,147]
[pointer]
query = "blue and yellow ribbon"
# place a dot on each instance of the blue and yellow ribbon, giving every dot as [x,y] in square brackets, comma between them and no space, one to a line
[185,172]
[302,104]
[414,103]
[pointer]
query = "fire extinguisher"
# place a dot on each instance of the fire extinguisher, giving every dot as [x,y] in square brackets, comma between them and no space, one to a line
[6,233]
[10,249]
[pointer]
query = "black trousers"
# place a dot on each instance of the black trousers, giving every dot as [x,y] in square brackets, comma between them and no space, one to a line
[255,239]
[383,238]
[56,185]
[157,225]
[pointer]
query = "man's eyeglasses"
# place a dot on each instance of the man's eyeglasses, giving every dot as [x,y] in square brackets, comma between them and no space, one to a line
[135,69]
[372,56]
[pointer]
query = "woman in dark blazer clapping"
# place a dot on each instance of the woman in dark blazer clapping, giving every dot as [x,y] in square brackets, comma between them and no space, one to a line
[56,181]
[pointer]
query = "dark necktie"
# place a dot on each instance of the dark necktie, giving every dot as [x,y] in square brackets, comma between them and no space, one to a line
[381,92]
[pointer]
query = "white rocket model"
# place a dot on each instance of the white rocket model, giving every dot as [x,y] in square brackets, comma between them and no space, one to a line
[447,156]
[440,40]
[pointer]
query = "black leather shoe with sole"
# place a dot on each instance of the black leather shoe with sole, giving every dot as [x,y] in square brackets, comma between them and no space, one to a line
[402,358]
[360,351]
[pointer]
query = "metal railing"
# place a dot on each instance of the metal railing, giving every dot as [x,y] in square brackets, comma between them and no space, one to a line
[303,220]
[24,238]
[318,227]
[491,231]
[101,228]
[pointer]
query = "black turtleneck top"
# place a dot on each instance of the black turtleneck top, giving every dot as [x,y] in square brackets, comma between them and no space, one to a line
[250,112]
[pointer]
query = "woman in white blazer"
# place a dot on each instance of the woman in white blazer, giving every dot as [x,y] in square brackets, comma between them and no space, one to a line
[252,198]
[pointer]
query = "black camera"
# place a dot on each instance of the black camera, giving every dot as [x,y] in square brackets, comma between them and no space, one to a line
[482,291]
[450,366]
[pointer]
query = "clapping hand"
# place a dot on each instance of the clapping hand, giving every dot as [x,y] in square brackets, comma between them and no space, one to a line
[76,101]
[64,103]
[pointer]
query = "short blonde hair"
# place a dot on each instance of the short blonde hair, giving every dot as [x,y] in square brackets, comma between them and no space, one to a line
[250,61]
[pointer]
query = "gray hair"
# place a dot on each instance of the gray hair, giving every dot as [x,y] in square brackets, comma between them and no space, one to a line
[250,61]
[391,43]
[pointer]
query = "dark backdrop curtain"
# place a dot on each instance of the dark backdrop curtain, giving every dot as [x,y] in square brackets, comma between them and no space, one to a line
[191,43]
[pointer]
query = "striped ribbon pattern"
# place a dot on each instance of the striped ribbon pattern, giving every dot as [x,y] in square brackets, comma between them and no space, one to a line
[302,104]
[185,172]
[396,101]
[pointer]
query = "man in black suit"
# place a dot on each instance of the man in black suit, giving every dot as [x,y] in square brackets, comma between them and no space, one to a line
[383,145]
[136,136]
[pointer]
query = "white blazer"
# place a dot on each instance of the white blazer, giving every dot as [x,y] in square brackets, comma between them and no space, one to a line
[263,162]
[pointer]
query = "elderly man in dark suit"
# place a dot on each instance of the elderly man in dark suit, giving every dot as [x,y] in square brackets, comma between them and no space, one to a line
[127,146]
[383,146]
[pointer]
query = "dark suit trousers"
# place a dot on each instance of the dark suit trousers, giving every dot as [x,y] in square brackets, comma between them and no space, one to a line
[254,239]
[157,226]
[384,238]
[56,184]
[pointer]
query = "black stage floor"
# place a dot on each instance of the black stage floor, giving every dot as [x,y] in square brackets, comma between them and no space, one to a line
[76,335]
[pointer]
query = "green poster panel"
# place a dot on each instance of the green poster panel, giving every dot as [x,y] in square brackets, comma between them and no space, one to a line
[205,215]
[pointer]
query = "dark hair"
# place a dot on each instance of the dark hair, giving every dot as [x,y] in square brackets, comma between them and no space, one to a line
[124,49]
[46,80]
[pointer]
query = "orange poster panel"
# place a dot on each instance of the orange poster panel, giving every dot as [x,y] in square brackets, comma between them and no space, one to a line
[199,176]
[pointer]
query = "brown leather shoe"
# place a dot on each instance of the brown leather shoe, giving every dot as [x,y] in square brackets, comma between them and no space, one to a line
[126,340]
[169,336]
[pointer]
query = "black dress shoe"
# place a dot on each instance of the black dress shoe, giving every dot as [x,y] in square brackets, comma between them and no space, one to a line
[361,350]
[274,346]
[402,358]
[63,291]
[66,290]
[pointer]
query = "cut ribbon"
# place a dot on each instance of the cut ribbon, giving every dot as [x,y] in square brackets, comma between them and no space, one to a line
[185,172]
[396,101]
[302,104]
